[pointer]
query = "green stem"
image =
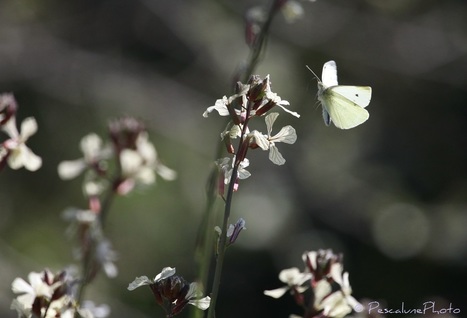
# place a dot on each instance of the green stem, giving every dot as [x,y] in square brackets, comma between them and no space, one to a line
[255,55]
[222,243]
[258,46]
[88,259]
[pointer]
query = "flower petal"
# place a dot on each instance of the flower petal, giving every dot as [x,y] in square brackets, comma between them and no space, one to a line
[220,106]
[20,286]
[261,140]
[70,169]
[28,128]
[16,159]
[287,110]
[270,119]
[287,135]
[32,162]
[275,156]
[289,275]
[91,145]
[166,272]
[138,282]
[202,303]
[165,172]
[276,293]
[321,290]
[10,128]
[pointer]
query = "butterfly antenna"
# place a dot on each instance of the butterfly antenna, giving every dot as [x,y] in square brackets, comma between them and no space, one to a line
[313,73]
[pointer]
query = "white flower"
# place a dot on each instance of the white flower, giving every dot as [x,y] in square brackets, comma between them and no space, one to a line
[322,258]
[144,280]
[227,168]
[220,106]
[141,165]
[19,155]
[341,303]
[93,150]
[287,135]
[293,278]
[29,291]
[191,297]
[40,285]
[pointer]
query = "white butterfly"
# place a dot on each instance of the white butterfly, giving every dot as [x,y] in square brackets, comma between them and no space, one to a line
[344,105]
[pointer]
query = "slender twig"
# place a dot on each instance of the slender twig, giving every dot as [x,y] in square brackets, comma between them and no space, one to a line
[260,41]
[253,60]
[88,258]
[222,241]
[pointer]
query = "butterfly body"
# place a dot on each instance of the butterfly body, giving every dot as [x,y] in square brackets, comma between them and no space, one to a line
[344,105]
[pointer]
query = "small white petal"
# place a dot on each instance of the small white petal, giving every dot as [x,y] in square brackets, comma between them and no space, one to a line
[91,145]
[321,290]
[110,269]
[130,161]
[261,140]
[22,308]
[28,128]
[335,305]
[138,282]
[287,110]
[289,275]
[311,256]
[276,293]
[166,272]
[165,172]
[146,149]
[10,128]
[229,230]
[287,134]
[275,156]
[270,119]
[202,303]
[220,106]
[336,273]
[20,286]
[15,160]
[146,176]
[70,169]
[243,174]
[32,162]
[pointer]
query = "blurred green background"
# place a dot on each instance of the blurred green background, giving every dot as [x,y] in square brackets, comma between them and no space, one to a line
[390,194]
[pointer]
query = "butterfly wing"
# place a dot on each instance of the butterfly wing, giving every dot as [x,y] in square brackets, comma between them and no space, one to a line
[326,117]
[329,75]
[360,95]
[343,111]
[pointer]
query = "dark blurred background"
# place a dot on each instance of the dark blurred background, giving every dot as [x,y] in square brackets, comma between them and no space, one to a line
[390,194]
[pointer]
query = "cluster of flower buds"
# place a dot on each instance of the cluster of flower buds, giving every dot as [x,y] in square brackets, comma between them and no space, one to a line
[252,100]
[13,150]
[51,296]
[172,292]
[330,291]
[128,150]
